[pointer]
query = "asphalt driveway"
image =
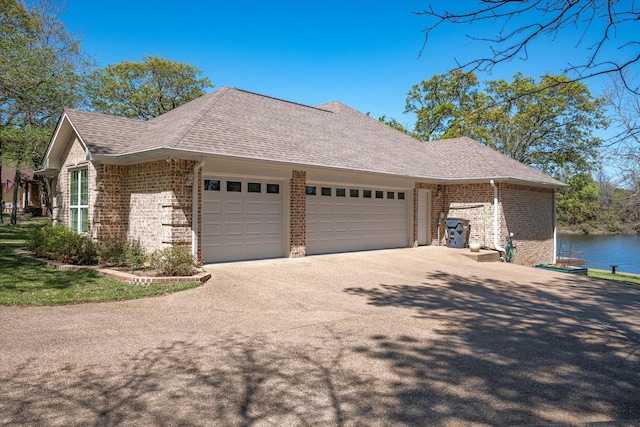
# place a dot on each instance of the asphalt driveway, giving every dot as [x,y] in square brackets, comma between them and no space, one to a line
[401,337]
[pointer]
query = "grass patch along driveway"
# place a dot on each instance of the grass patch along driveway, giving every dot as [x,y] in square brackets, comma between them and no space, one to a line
[27,282]
[624,278]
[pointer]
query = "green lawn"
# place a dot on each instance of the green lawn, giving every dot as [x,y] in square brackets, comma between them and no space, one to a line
[27,282]
[624,278]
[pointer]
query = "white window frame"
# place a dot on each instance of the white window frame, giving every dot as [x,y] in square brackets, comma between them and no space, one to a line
[81,209]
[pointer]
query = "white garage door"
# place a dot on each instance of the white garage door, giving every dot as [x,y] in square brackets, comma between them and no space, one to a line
[341,219]
[242,219]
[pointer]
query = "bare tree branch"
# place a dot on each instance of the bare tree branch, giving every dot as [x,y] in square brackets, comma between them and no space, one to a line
[520,23]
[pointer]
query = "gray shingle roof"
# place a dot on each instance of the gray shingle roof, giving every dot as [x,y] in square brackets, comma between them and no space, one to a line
[233,122]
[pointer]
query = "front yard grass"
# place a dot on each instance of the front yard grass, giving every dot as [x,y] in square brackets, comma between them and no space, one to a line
[624,278]
[27,282]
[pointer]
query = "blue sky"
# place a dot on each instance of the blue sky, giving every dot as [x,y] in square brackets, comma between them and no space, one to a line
[361,53]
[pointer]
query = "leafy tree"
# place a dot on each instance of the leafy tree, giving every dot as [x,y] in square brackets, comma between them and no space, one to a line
[393,123]
[442,103]
[146,89]
[578,203]
[605,31]
[40,69]
[547,126]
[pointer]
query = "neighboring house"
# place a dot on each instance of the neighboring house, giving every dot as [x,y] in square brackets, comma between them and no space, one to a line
[28,189]
[242,176]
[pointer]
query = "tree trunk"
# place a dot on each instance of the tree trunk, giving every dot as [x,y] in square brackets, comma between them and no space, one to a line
[45,187]
[14,209]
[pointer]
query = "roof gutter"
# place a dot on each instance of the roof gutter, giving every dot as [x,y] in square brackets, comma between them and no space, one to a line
[495,217]
[195,186]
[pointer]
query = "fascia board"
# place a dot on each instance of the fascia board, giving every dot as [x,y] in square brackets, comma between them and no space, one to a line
[164,153]
[64,121]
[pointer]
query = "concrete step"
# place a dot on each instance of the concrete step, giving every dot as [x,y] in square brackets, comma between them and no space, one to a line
[485,255]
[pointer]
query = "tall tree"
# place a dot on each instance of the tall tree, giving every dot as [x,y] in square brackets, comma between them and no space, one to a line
[625,145]
[145,89]
[549,127]
[578,203]
[442,103]
[604,31]
[40,69]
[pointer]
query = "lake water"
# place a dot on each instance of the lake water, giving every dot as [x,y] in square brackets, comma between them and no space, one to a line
[602,251]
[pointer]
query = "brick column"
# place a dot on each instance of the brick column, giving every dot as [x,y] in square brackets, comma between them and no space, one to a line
[298,219]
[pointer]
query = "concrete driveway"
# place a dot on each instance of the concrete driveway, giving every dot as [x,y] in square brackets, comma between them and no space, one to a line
[401,337]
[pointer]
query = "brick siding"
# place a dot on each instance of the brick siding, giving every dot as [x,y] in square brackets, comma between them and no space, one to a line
[298,219]
[523,210]
[529,215]
[157,203]
[149,202]
[475,203]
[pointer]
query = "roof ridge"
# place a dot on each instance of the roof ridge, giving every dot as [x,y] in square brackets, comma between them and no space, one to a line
[282,100]
[177,131]
[95,113]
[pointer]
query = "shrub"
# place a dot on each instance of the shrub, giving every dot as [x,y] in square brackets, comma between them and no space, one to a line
[121,253]
[33,210]
[60,243]
[173,261]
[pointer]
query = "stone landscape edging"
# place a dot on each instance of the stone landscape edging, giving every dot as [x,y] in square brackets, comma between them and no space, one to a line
[122,276]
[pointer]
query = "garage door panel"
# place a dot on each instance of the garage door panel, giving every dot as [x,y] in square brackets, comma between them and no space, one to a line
[233,207]
[272,228]
[242,225]
[212,207]
[273,208]
[211,229]
[326,226]
[325,209]
[275,245]
[366,227]
[254,208]
[212,250]
[338,224]
[354,209]
[254,228]
[340,209]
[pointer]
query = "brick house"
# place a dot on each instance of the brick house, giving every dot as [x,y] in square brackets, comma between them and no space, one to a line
[28,189]
[240,176]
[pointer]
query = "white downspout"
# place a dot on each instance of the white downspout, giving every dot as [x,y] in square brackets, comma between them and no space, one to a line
[496,214]
[195,186]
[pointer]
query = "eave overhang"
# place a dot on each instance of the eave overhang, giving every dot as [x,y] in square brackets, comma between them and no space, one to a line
[164,153]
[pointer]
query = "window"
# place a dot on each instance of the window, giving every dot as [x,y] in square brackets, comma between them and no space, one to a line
[366,194]
[325,191]
[390,195]
[234,186]
[341,192]
[79,201]
[354,192]
[400,196]
[273,188]
[311,190]
[254,187]
[379,194]
[211,185]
